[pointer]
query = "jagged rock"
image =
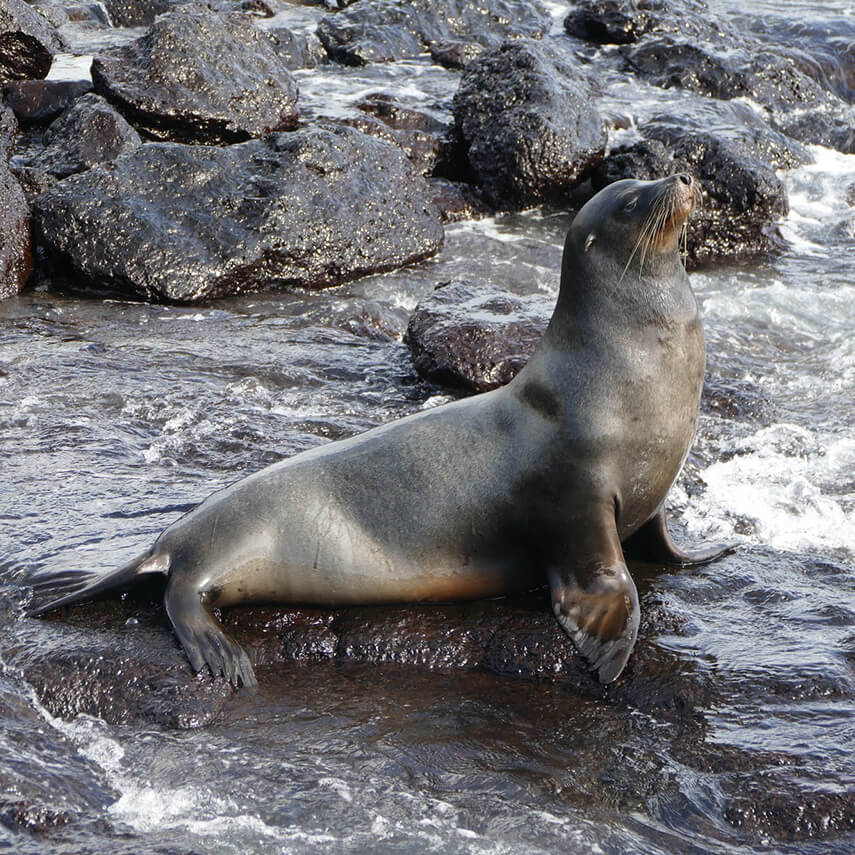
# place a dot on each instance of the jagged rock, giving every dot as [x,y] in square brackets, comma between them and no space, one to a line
[137,13]
[89,132]
[297,50]
[613,22]
[27,42]
[176,222]
[743,198]
[8,132]
[456,200]
[41,101]
[474,336]
[199,76]
[16,261]
[388,30]
[528,123]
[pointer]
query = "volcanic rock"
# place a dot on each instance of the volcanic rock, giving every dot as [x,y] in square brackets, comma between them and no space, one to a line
[310,208]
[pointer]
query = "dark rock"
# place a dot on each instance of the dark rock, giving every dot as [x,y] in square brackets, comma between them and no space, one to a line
[456,200]
[34,181]
[41,101]
[613,22]
[137,13]
[16,261]
[528,122]
[27,42]
[89,132]
[297,50]
[388,30]
[742,198]
[456,54]
[173,222]
[741,67]
[94,13]
[426,140]
[850,195]
[199,76]
[474,337]
[786,812]
[8,132]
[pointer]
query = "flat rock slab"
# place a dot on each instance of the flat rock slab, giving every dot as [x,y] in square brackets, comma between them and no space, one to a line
[527,120]
[199,76]
[41,101]
[185,223]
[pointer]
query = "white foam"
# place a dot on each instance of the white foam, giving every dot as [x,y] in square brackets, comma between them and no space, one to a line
[68,66]
[781,479]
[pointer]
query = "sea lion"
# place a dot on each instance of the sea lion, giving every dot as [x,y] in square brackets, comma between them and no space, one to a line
[542,480]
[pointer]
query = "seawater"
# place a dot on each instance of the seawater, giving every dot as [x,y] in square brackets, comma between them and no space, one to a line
[114,417]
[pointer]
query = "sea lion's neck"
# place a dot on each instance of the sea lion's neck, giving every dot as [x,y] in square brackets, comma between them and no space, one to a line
[598,293]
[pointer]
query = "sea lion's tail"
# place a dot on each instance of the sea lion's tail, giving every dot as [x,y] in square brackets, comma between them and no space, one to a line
[76,586]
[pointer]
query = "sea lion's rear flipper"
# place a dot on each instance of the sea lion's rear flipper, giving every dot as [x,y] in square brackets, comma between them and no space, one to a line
[652,542]
[77,586]
[202,639]
[595,600]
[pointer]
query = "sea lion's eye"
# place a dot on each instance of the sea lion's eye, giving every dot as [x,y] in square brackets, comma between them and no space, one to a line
[631,203]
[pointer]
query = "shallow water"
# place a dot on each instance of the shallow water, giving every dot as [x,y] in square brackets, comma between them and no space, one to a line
[115,417]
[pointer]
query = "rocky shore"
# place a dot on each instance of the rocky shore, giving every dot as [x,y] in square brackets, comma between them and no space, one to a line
[185,166]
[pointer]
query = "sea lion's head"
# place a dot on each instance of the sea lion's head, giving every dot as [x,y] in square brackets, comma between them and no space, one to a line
[633,225]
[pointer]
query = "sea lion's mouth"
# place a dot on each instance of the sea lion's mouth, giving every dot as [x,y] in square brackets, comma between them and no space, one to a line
[666,220]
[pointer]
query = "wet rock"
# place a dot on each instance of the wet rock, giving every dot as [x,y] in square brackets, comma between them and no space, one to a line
[174,222]
[474,336]
[455,54]
[297,50]
[199,76]
[34,181]
[528,123]
[781,810]
[426,140]
[456,200]
[87,133]
[850,195]
[740,67]
[389,30]
[613,22]
[41,101]
[16,262]
[742,200]
[137,13]
[8,132]
[27,42]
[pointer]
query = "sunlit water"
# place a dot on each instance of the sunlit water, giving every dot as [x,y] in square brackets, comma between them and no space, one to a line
[115,417]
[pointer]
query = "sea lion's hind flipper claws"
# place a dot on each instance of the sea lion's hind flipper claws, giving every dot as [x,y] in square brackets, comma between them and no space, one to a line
[203,640]
[652,542]
[601,618]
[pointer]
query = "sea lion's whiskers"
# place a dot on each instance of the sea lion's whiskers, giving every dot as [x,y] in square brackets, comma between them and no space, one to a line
[642,237]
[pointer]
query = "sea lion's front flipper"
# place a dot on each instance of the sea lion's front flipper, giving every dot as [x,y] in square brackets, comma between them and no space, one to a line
[594,598]
[652,542]
[202,639]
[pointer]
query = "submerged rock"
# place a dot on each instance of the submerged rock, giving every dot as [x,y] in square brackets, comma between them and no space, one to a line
[16,261]
[297,50]
[41,101]
[311,208]
[528,124]
[388,30]
[89,132]
[474,336]
[615,22]
[199,76]
[27,42]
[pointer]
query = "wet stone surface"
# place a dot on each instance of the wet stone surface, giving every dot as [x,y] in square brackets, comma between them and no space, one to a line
[199,76]
[288,208]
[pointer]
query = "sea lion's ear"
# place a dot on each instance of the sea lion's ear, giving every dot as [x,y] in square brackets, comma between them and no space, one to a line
[589,241]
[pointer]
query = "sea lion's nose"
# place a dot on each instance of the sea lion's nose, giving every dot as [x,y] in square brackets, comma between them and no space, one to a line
[685,178]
